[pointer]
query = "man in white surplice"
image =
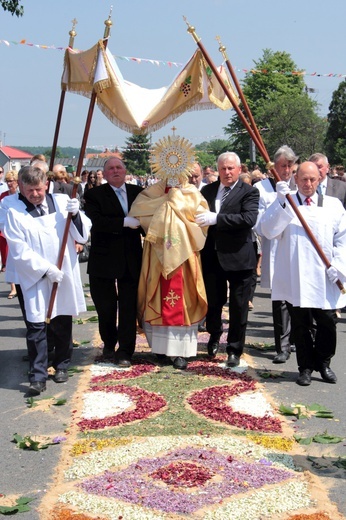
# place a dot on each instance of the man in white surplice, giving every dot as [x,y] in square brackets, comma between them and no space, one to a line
[284,162]
[300,276]
[34,227]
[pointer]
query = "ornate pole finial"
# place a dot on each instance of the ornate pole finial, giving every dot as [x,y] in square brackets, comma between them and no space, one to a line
[191,30]
[108,24]
[222,48]
[173,129]
[72,33]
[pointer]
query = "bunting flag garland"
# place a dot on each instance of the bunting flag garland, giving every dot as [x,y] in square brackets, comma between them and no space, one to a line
[177,64]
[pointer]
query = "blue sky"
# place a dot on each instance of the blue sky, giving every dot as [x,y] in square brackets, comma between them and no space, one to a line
[313,33]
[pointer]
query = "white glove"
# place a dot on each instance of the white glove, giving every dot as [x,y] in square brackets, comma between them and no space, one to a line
[282,189]
[131,222]
[54,274]
[332,274]
[206,219]
[72,206]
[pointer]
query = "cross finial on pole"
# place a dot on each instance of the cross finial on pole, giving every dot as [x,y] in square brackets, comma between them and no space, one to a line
[173,129]
[222,48]
[72,33]
[191,30]
[108,24]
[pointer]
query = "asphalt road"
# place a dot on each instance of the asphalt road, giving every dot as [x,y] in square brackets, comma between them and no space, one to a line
[29,473]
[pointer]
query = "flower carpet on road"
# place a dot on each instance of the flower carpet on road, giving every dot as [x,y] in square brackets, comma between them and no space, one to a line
[151,442]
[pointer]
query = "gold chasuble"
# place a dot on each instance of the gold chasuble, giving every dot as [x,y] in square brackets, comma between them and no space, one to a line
[171,289]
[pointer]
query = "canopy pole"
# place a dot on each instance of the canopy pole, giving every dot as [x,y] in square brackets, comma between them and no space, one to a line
[108,24]
[255,135]
[72,34]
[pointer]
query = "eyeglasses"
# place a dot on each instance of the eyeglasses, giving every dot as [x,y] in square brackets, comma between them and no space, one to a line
[1,171]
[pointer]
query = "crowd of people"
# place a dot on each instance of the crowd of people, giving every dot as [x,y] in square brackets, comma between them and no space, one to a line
[169,250]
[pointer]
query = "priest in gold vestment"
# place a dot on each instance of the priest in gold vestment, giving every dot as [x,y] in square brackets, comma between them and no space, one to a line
[171,295]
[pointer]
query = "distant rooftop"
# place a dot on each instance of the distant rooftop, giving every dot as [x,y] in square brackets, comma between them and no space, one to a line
[14,153]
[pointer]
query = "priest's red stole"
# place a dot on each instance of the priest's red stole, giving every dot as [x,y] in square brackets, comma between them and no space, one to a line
[172,299]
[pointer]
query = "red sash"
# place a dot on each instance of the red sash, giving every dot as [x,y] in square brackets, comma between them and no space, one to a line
[172,299]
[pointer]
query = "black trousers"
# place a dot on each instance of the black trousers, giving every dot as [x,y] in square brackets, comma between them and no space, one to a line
[282,326]
[37,344]
[254,274]
[239,295]
[313,350]
[116,305]
[50,335]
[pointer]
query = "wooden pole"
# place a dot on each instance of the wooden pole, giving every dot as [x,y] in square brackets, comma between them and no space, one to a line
[222,49]
[255,135]
[72,34]
[108,24]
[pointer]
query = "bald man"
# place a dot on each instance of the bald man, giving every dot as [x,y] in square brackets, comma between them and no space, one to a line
[300,277]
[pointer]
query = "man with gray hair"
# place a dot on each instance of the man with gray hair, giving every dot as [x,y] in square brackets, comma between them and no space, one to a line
[284,161]
[228,255]
[34,227]
[327,185]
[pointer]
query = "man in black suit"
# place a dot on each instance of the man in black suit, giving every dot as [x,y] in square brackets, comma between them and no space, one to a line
[228,255]
[114,260]
[327,185]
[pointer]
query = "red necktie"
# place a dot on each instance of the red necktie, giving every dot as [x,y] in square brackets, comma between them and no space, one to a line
[308,201]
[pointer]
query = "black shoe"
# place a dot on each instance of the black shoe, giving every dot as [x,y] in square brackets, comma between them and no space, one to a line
[180,363]
[163,359]
[282,357]
[304,378]
[213,346]
[108,354]
[293,348]
[233,360]
[328,375]
[201,328]
[37,387]
[123,363]
[61,375]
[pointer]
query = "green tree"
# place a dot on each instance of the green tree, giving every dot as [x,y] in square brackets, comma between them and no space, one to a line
[12,6]
[335,142]
[204,158]
[208,151]
[136,154]
[284,113]
[291,120]
[58,152]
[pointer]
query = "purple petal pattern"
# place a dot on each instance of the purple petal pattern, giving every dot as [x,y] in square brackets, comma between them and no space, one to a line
[223,477]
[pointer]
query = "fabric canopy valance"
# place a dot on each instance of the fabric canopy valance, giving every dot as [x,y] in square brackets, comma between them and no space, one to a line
[137,109]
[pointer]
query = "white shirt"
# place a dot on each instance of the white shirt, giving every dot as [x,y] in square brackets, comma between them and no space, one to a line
[219,195]
[323,186]
[3,186]
[122,188]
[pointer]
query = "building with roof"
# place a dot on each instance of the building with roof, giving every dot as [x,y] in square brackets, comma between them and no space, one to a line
[91,162]
[13,159]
